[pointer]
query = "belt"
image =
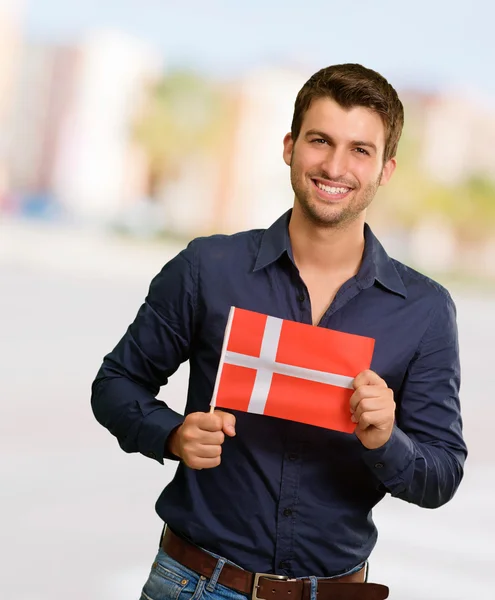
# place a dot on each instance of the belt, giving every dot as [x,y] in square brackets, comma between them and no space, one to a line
[266,586]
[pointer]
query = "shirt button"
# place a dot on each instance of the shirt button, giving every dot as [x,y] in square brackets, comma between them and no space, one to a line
[283,564]
[379,466]
[287,512]
[292,456]
[301,298]
[151,454]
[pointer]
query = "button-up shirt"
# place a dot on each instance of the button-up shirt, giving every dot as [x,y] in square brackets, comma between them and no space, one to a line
[289,498]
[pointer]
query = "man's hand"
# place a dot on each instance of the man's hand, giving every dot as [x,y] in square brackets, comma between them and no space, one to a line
[198,441]
[373,409]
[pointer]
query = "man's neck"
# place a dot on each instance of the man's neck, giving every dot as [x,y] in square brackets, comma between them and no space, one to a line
[330,250]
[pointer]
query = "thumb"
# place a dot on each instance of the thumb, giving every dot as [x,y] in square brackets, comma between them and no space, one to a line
[228,422]
[368,377]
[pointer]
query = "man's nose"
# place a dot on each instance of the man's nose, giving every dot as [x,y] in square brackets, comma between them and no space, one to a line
[336,163]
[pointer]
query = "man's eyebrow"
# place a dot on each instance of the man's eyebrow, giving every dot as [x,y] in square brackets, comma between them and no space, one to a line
[328,138]
[321,134]
[366,144]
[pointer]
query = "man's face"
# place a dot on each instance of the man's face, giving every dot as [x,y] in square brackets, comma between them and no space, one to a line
[336,163]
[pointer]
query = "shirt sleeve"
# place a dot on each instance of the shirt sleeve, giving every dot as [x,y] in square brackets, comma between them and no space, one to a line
[124,392]
[423,460]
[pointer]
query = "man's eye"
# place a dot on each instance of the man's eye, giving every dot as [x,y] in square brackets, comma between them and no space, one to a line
[319,141]
[361,151]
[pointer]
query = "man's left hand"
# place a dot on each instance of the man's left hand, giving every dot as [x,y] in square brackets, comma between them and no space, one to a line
[373,409]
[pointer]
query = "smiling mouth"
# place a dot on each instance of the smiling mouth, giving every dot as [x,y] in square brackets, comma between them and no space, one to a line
[331,191]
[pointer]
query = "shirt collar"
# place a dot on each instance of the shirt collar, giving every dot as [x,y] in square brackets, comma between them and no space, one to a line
[275,242]
[377,266]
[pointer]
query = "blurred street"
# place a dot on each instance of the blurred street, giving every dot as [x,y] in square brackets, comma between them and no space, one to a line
[77,514]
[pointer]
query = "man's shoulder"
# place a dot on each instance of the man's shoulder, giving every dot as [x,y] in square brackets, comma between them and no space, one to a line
[418,284]
[228,238]
[219,244]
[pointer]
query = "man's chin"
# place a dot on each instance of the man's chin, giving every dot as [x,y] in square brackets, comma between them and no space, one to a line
[325,217]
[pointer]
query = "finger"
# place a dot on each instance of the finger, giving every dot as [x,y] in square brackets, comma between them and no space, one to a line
[385,400]
[368,377]
[203,463]
[374,418]
[203,451]
[228,422]
[364,392]
[192,437]
[366,405]
[210,438]
[210,422]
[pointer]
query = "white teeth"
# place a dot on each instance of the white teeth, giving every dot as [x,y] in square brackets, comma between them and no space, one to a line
[332,190]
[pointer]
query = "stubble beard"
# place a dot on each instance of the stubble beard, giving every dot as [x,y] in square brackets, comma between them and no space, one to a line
[332,215]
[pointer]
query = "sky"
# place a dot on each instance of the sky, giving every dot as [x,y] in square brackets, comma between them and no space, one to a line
[433,44]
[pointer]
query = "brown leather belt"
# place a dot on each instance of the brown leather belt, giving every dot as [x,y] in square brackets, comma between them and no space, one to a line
[267,586]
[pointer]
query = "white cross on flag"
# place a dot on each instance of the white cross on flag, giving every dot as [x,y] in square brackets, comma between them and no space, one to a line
[289,370]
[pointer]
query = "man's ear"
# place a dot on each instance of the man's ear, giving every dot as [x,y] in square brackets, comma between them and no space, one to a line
[388,171]
[288,147]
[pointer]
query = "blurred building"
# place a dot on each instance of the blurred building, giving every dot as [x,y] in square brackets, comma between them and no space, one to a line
[246,184]
[10,40]
[45,90]
[260,179]
[69,139]
[11,12]
[93,175]
[459,133]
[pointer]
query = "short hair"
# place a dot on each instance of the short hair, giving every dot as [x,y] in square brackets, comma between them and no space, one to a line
[353,85]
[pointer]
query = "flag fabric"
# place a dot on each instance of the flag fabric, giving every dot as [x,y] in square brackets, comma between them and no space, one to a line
[289,370]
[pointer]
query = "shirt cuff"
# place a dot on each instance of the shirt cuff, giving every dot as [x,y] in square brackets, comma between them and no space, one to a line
[389,462]
[154,432]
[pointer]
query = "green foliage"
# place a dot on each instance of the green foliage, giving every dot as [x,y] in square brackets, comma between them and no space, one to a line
[183,116]
[468,206]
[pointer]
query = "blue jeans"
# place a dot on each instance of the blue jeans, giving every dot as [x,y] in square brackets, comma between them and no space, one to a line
[169,580]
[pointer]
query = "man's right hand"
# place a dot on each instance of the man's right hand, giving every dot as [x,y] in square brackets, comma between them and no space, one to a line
[198,441]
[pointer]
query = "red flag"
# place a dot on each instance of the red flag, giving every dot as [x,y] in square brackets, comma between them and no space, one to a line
[289,370]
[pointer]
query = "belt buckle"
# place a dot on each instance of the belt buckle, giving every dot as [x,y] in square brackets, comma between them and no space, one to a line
[257,576]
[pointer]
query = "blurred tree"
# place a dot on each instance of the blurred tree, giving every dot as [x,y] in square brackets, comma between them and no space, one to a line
[412,196]
[478,208]
[400,200]
[183,115]
[468,207]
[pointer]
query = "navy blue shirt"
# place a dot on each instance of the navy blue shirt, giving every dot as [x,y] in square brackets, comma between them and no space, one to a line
[289,498]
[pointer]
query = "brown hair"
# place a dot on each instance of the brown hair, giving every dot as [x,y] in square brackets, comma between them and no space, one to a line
[353,85]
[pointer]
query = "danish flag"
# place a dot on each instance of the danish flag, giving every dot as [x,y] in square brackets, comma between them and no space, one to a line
[289,370]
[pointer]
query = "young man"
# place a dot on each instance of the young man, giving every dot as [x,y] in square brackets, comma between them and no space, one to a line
[270,495]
